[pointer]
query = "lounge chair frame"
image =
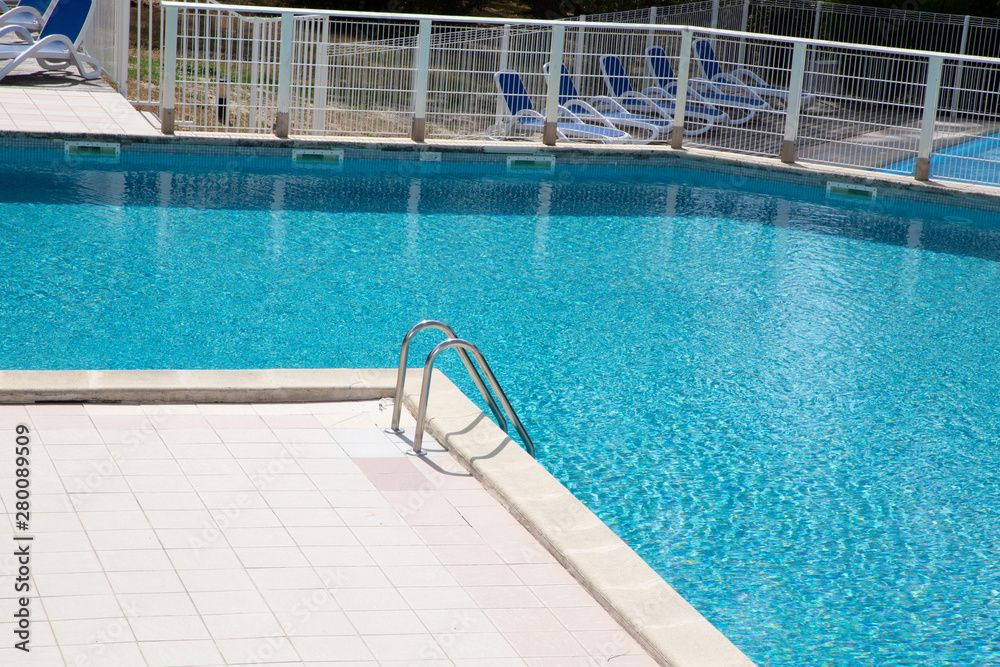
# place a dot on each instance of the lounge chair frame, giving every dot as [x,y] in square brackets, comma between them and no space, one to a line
[53,51]
[519,114]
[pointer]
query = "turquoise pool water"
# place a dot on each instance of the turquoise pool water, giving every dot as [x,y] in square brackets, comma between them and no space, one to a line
[975,161]
[786,403]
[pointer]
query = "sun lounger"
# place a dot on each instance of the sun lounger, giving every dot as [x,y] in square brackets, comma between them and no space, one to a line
[29,14]
[663,74]
[657,101]
[652,127]
[57,46]
[521,117]
[739,79]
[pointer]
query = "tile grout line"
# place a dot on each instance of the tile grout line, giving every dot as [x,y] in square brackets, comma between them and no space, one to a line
[94,550]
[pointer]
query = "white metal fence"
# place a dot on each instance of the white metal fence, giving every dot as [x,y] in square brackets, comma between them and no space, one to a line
[854,24]
[253,70]
[832,21]
[106,39]
[127,42]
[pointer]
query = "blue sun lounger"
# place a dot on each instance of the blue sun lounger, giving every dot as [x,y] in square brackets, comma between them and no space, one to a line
[520,115]
[608,109]
[740,79]
[661,71]
[57,45]
[657,101]
[29,14]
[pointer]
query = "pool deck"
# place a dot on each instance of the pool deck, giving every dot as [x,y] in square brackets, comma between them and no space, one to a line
[261,517]
[34,102]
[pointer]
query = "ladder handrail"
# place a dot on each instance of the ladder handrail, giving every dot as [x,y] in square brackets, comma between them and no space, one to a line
[404,352]
[463,346]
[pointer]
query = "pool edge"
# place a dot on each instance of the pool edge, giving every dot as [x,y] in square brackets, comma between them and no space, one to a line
[669,628]
[665,624]
[951,193]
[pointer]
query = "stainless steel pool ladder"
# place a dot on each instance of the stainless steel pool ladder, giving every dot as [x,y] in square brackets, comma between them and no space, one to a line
[463,347]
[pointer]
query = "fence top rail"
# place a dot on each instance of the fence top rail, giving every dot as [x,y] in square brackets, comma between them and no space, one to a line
[641,27]
[827,7]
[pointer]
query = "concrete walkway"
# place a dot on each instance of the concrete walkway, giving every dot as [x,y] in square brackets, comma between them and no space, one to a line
[292,534]
[35,100]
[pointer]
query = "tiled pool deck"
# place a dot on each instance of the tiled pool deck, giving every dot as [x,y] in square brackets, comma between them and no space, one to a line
[45,102]
[291,534]
[266,517]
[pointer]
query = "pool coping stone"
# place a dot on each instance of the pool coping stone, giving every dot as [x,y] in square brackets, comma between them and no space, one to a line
[666,625]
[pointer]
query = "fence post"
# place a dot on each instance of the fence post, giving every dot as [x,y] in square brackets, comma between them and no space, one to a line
[581,49]
[502,65]
[549,134]
[420,75]
[794,106]
[956,89]
[121,47]
[322,91]
[652,33]
[683,74]
[168,63]
[922,170]
[715,15]
[284,74]
[744,20]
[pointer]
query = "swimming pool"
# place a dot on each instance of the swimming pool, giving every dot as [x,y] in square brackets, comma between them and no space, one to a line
[975,161]
[784,401]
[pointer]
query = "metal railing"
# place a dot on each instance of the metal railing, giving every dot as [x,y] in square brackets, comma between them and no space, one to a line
[255,70]
[463,347]
[404,353]
[833,21]
[128,45]
[106,39]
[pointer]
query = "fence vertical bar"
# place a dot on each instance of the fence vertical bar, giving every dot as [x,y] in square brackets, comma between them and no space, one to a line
[418,130]
[683,74]
[956,90]
[149,51]
[284,74]
[168,62]
[254,74]
[139,60]
[922,170]
[794,107]
[715,14]
[550,133]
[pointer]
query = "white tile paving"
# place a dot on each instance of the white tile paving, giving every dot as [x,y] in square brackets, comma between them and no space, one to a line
[34,100]
[281,542]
